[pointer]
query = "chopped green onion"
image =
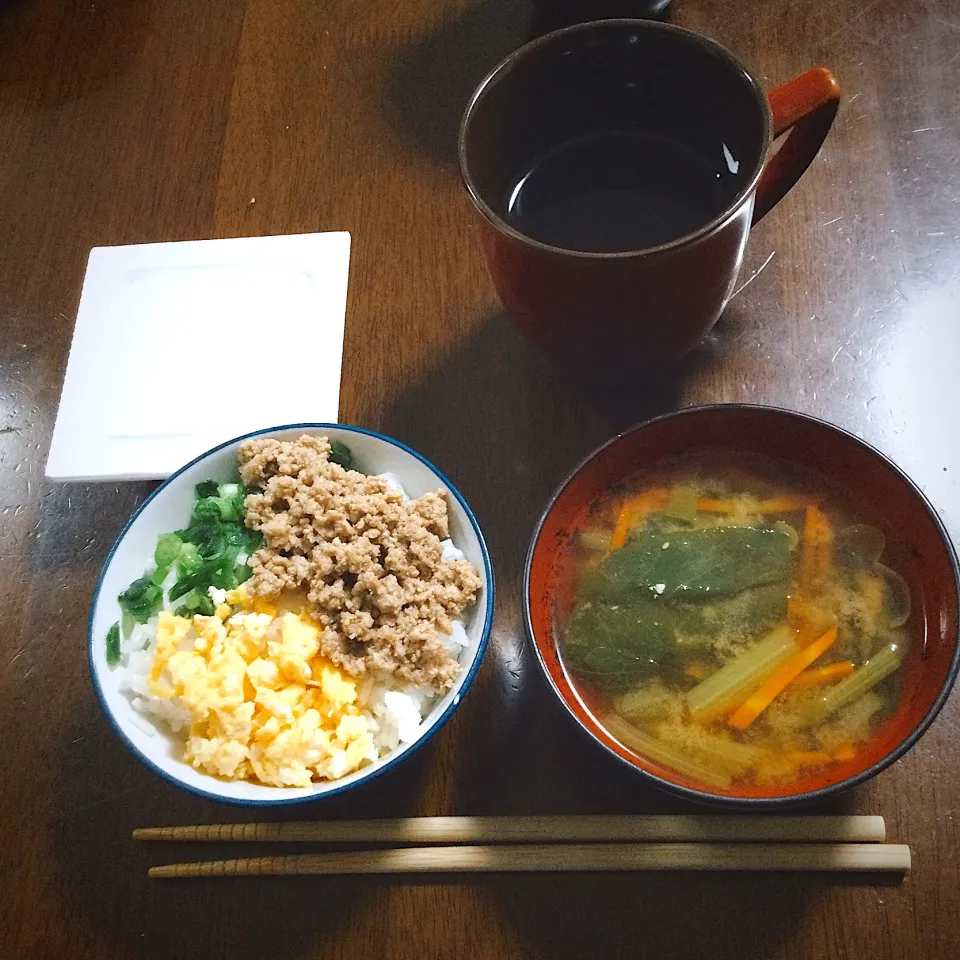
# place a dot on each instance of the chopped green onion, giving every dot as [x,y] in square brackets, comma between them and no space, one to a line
[205,554]
[189,559]
[208,488]
[113,645]
[142,599]
[168,549]
[340,453]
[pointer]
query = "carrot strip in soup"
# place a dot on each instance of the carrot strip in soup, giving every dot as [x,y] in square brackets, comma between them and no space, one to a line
[817,553]
[619,536]
[771,688]
[784,505]
[816,676]
[632,511]
[844,752]
[806,620]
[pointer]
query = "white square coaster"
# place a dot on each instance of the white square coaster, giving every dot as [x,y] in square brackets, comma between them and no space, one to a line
[180,346]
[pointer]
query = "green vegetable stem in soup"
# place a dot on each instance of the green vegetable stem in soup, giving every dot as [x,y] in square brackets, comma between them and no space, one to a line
[733,619]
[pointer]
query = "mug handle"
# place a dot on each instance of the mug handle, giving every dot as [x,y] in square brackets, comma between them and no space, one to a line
[804,106]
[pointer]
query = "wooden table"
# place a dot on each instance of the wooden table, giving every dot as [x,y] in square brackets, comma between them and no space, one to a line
[124,121]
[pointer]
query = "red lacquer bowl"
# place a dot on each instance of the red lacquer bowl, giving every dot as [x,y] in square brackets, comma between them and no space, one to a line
[917,546]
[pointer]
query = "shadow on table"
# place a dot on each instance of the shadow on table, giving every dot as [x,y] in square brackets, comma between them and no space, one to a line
[506,426]
[668,915]
[74,49]
[430,78]
[102,793]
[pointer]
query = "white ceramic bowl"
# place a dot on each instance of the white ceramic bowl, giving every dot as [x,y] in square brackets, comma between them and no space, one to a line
[168,508]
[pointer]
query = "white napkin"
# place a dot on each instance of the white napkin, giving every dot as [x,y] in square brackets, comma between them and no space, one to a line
[181,346]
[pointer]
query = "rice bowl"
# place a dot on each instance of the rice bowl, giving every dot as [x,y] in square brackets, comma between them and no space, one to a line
[398,714]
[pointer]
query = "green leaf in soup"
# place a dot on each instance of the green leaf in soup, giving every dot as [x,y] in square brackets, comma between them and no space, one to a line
[746,614]
[616,643]
[691,564]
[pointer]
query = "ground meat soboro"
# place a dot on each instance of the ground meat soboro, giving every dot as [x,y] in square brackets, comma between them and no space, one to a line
[372,564]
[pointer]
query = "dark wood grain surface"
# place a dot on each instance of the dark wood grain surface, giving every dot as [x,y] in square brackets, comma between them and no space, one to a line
[138,120]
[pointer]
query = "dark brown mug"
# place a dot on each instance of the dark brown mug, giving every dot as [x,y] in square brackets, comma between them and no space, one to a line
[618,166]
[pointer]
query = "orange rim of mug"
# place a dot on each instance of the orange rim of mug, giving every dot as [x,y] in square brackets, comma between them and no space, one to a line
[802,108]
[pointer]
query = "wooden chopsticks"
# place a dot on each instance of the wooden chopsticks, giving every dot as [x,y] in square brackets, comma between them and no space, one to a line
[558,857]
[475,830]
[526,844]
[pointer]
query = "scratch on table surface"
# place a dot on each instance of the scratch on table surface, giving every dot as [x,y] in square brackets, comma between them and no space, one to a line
[851,22]
[924,129]
[756,273]
[834,220]
[843,349]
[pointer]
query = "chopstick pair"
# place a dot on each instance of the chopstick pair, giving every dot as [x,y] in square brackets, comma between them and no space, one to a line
[561,843]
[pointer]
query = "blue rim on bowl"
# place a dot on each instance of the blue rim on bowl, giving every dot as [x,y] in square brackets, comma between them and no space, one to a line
[388,762]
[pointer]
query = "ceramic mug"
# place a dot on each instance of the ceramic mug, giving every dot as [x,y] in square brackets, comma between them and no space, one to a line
[618,166]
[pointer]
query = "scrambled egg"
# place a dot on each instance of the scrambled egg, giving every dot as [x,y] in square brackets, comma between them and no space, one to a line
[265,706]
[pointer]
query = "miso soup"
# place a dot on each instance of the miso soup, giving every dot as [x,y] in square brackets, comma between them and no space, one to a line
[733,619]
